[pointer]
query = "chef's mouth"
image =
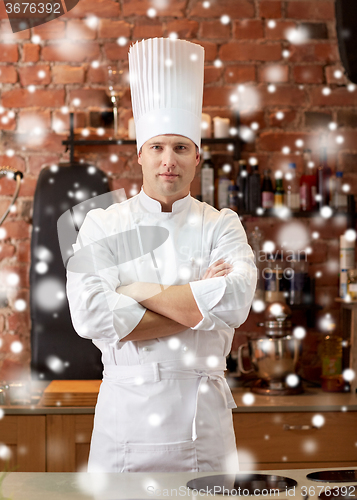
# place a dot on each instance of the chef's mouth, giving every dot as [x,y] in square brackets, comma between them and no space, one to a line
[167,174]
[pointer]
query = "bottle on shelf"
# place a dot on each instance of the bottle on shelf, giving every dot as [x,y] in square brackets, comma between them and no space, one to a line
[207,177]
[347,261]
[308,184]
[279,190]
[339,198]
[254,196]
[267,190]
[233,200]
[274,279]
[292,197]
[323,179]
[332,380]
[297,278]
[242,183]
[223,182]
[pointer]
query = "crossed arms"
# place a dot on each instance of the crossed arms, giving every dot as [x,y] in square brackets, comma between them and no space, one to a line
[169,311]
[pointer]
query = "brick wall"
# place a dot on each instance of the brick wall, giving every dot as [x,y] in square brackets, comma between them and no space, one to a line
[43,70]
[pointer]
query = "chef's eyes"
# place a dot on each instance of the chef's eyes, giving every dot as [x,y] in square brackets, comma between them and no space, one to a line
[180,147]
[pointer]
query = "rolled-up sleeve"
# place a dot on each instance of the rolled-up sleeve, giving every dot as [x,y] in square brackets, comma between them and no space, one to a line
[97,311]
[224,302]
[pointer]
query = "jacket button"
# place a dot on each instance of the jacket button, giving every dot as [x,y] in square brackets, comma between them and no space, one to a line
[145,348]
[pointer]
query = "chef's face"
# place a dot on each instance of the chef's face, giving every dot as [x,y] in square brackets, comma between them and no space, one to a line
[169,165]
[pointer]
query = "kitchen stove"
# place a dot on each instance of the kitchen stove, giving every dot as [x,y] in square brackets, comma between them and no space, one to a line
[334,476]
[242,484]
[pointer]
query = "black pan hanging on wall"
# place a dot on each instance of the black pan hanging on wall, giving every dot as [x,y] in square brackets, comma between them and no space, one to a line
[346,27]
[57,351]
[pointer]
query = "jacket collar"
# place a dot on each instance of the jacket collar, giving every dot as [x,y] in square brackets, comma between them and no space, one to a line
[154,206]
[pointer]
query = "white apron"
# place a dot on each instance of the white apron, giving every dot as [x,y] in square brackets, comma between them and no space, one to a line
[164,417]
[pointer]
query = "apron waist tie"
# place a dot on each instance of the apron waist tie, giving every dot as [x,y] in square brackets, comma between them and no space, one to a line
[176,369]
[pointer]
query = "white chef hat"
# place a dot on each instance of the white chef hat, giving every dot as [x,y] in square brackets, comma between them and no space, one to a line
[166,81]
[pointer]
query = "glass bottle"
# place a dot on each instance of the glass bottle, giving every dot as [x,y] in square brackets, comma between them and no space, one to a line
[207,177]
[254,189]
[279,190]
[222,182]
[308,184]
[233,201]
[332,380]
[323,179]
[267,190]
[292,197]
[242,183]
[339,198]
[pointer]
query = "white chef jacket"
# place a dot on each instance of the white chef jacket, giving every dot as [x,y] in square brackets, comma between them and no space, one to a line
[164,404]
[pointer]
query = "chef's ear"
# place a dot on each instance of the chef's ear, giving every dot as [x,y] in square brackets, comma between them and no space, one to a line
[198,155]
[139,156]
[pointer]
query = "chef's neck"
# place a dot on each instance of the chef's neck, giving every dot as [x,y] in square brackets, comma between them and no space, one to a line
[165,201]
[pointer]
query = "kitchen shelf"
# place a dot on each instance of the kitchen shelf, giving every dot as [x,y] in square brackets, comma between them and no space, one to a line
[71,142]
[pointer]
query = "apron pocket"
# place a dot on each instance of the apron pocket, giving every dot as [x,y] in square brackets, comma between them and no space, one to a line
[168,457]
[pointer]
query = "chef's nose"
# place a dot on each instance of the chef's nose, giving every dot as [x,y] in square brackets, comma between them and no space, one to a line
[169,158]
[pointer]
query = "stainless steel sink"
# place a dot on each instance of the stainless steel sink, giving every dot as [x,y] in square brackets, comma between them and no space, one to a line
[334,476]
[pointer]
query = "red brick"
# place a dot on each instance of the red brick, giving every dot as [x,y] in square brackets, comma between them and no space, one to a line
[29,120]
[8,52]
[29,75]
[217,96]
[53,30]
[328,277]
[114,52]
[119,167]
[270,9]
[290,116]
[273,73]
[236,51]
[311,9]
[7,122]
[8,74]
[214,29]
[37,162]
[280,30]
[255,117]
[319,252]
[63,74]
[71,52]
[60,121]
[22,98]
[90,98]
[18,229]
[275,141]
[210,49]
[48,142]
[278,161]
[240,73]
[212,74]
[78,30]
[147,29]
[338,97]
[6,250]
[350,139]
[315,52]
[248,29]
[111,28]
[18,320]
[23,252]
[284,95]
[332,79]
[30,52]
[99,8]
[7,34]
[2,323]
[97,75]
[184,28]
[174,8]
[308,74]
[239,9]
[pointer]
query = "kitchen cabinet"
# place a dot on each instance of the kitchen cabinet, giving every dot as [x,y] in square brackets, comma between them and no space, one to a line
[25,436]
[280,440]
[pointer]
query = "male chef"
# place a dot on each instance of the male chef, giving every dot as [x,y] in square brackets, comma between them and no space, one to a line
[166,280]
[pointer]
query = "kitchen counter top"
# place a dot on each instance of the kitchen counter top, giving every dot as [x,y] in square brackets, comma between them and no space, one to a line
[84,486]
[312,399]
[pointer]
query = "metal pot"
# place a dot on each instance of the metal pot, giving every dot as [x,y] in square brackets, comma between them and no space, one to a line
[272,358]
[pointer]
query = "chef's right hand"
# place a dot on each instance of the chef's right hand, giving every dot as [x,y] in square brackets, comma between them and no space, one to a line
[219,268]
